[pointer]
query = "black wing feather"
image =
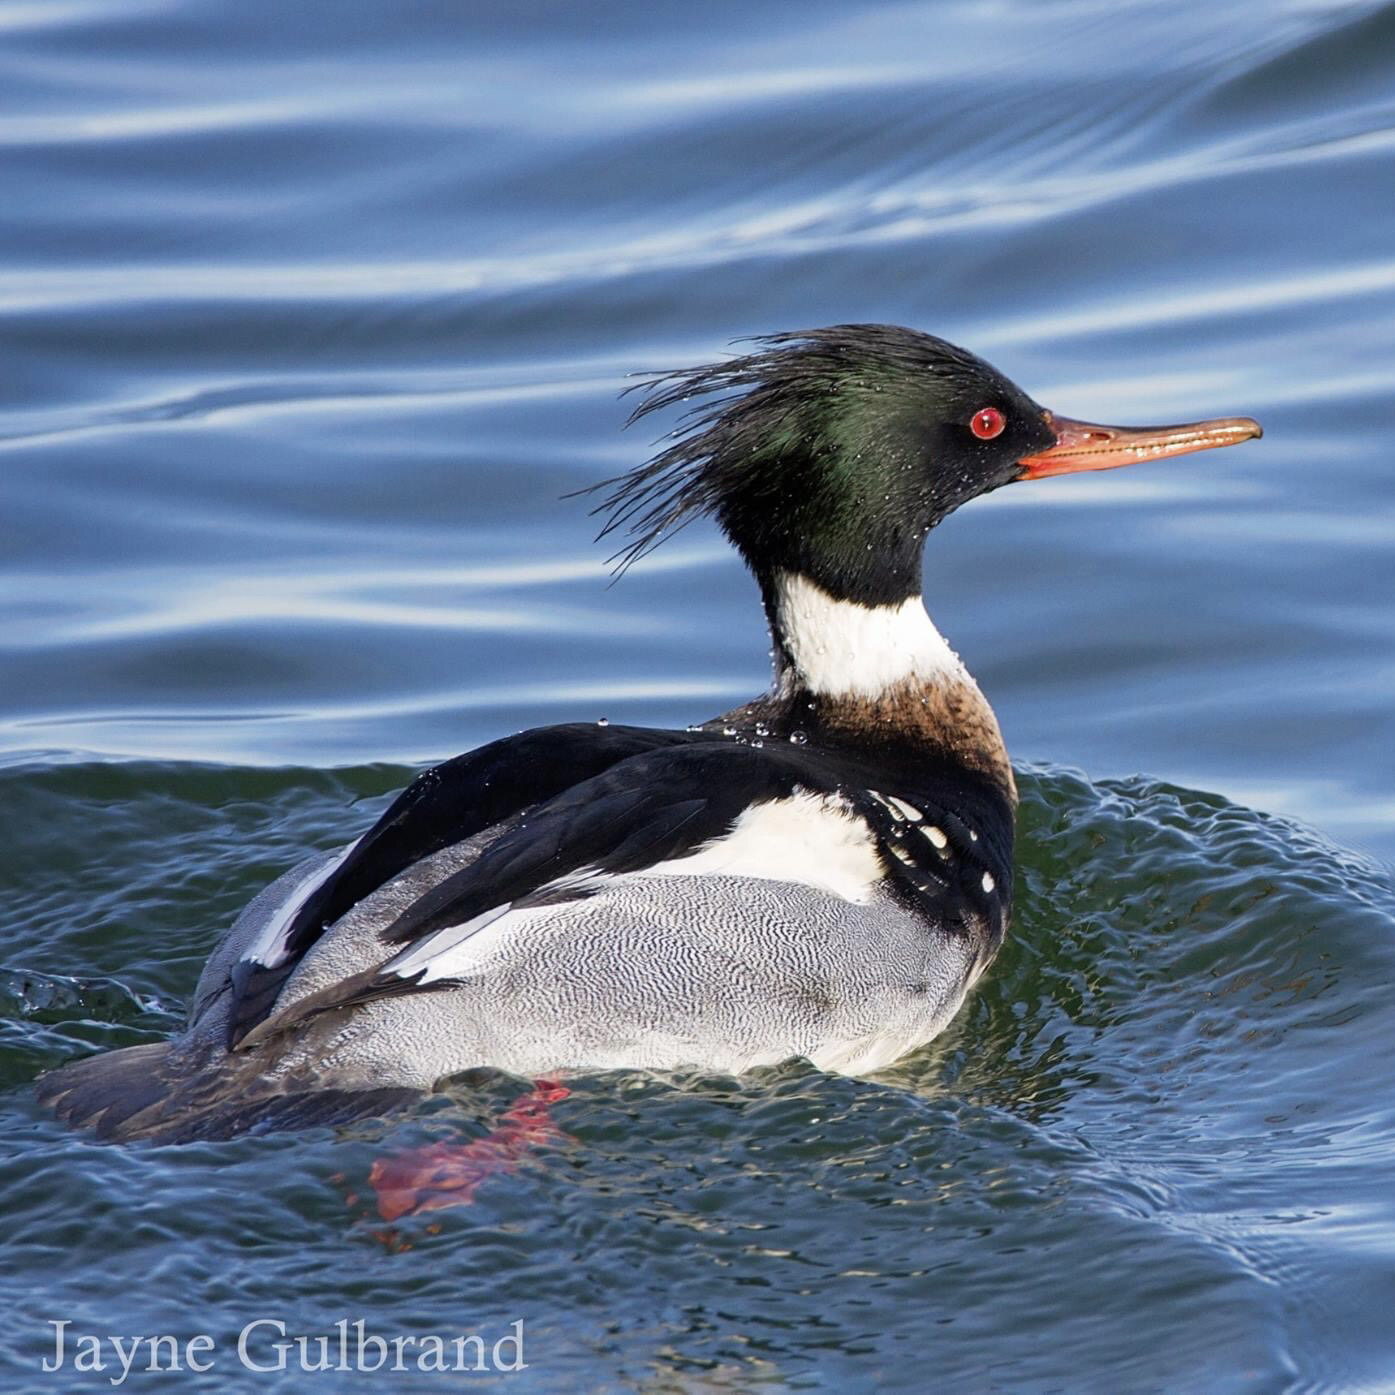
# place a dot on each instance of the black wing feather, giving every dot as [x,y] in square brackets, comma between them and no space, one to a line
[645,810]
[463,796]
[642,811]
[445,805]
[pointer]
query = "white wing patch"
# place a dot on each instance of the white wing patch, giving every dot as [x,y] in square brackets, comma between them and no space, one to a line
[269,947]
[812,839]
[434,953]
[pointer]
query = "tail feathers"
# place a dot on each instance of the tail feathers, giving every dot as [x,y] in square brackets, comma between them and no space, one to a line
[139,1093]
[105,1092]
[276,1113]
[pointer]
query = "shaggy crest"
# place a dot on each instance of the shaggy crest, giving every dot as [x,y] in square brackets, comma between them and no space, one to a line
[791,397]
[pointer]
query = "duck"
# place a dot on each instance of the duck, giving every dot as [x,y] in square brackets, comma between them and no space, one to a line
[823,872]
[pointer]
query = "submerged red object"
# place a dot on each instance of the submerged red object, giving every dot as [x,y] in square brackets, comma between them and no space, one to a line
[445,1173]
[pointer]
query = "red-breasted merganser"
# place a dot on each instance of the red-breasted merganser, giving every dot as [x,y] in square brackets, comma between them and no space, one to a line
[824,872]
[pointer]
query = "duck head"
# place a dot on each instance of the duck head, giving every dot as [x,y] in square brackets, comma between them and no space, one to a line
[830,454]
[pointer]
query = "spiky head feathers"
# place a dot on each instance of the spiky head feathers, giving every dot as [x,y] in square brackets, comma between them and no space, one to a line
[829,452]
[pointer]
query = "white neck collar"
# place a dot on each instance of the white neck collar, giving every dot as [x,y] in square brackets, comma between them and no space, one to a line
[834,648]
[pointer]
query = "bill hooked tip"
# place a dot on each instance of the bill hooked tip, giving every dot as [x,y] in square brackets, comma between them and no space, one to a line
[1084,445]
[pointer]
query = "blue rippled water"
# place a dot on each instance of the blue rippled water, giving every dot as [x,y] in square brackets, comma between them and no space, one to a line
[310,317]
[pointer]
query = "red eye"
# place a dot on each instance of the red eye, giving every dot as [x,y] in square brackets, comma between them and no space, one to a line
[987,423]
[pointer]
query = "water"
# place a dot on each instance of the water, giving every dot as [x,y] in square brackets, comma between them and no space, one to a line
[311,314]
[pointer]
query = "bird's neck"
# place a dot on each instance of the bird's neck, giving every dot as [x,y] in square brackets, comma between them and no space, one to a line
[845,649]
[882,671]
